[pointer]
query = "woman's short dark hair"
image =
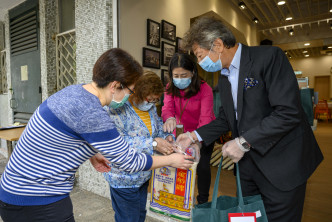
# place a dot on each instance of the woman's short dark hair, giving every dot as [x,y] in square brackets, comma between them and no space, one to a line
[148,84]
[116,65]
[181,60]
[205,31]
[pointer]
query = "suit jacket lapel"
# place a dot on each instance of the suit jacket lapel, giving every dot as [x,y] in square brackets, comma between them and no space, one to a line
[245,66]
[227,99]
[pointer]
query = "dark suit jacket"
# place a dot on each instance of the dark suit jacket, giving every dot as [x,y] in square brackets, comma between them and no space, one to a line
[270,118]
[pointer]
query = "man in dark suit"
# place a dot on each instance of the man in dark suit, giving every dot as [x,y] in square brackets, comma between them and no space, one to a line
[260,103]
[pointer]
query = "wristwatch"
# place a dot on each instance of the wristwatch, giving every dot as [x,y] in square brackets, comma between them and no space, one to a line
[244,144]
[154,144]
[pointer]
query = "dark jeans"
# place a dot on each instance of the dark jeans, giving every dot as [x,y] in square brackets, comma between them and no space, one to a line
[204,173]
[129,204]
[60,211]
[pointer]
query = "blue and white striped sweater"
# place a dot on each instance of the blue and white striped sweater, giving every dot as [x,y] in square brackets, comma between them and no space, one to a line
[66,130]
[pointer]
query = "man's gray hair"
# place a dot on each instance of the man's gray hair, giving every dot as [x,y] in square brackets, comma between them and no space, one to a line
[205,31]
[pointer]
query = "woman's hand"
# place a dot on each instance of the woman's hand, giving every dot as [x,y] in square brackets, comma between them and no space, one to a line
[181,161]
[170,139]
[100,163]
[169,125]
[163,146]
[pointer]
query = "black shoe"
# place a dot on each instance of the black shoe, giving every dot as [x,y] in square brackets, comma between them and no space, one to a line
[201,200]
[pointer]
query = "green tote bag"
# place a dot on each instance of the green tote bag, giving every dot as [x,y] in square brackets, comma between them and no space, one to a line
[220,207]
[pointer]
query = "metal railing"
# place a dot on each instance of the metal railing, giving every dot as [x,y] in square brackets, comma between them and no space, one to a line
[66,59]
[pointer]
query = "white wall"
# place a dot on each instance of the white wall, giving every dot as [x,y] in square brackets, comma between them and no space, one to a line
[134,13]
[6,113]
[4,110]
[314,66]
[3,121]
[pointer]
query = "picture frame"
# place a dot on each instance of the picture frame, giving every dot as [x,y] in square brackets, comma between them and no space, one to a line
[179,47]
[165,77]
[167,51]
[168,30]
[151,58]
[153,33]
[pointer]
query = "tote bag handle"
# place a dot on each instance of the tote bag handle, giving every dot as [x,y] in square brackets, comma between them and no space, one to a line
[216,184]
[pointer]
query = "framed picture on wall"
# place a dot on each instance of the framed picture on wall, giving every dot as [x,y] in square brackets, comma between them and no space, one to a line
[151,58]
[179,45]
[165,77]
[168,30]
[167,51]
[153,33]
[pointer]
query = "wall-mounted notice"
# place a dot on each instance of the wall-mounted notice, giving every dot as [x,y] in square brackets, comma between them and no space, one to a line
[24,73]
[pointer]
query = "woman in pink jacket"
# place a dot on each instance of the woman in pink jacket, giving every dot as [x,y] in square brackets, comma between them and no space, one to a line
[188,101]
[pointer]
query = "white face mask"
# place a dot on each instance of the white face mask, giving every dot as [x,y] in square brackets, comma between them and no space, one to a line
[144,106]
[181,83]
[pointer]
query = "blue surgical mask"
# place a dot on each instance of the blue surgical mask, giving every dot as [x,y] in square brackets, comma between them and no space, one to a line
[115,104]
[181,83]
[144,106]
[208,65]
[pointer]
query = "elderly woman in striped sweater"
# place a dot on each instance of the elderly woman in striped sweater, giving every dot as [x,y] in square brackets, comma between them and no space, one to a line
[67,129]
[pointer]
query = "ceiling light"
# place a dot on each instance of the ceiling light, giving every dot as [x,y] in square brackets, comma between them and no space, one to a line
[242,5]
[290,57]
[305,51]
[289,18]
[286,52]
[291,32]
[331,10]
[281,2]
[255,20]
[330,47]
[306,44]
[306,55]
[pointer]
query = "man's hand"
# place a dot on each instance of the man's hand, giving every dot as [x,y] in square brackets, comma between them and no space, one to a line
[184,140]
[100,163]
[169,125]
[232,150]
[163,146]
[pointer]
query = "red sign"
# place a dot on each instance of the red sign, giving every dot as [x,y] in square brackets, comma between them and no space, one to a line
[180,182]
[242,217]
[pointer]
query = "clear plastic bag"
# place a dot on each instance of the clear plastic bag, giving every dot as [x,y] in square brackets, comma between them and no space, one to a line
[192,150]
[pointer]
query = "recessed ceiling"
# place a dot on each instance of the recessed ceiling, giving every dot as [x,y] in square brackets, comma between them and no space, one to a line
[311,22]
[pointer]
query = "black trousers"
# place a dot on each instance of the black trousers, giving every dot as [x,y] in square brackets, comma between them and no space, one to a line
[280,206]
[60,211]
[204,173]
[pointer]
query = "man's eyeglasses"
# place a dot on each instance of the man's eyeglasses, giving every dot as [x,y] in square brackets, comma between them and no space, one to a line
[131,92]
[152,100]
